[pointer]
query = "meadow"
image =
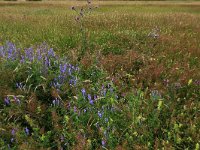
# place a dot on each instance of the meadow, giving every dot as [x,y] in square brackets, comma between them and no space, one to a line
[124,75]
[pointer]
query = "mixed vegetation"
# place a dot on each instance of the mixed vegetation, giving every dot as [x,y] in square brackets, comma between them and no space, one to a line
[107,75]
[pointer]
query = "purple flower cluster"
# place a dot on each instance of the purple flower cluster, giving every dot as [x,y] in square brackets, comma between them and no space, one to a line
[42,55]
[47,60]
[107,89]
[9,51]
[27,131]
[67,74]
[7,100]
[56,102]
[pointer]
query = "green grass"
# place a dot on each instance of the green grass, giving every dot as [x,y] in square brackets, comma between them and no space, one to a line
[118,49]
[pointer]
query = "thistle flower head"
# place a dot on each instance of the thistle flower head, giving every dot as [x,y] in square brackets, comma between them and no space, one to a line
[73,8]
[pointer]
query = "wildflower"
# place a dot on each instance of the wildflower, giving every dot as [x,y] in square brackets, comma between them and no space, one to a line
[56,102]
[13,132]
[39,55]
[47,62]
[63,68]
[75,109]
[16,100]
[83,92]
[95,97]
[99,114]
[103,142]
[19,85]
[84,110]
[7,101]
[27,131]
[90,99]
[29,54]
[51,52]
[106,119]
[22,59]
[12,140]
[2,53]
[97,124]
[111,90]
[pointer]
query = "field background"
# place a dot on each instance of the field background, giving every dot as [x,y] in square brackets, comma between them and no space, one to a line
[118,43]
[114,28]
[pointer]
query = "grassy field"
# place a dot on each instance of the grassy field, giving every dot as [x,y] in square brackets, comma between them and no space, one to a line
[146,53]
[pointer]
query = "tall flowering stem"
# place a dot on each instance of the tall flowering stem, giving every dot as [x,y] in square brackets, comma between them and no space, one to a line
[81,13]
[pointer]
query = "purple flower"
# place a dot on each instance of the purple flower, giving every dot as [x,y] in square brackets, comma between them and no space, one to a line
[7,101]
[100,114]
[111,90]
[29,54]
[56,102]
[90,99]
[63,68]
[11,49]
[75,109]
[19,85]
[47,62]
[104,92]
[13,132]
[27,131]
[83,92]
[17,100]
[12,140]
[2,52]
[39,55]
[51,52]
[106,119]
[95,97]
[70,71]
[103,142]
[22,59]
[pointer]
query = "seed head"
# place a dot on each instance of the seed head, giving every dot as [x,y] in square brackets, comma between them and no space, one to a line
[73,8]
